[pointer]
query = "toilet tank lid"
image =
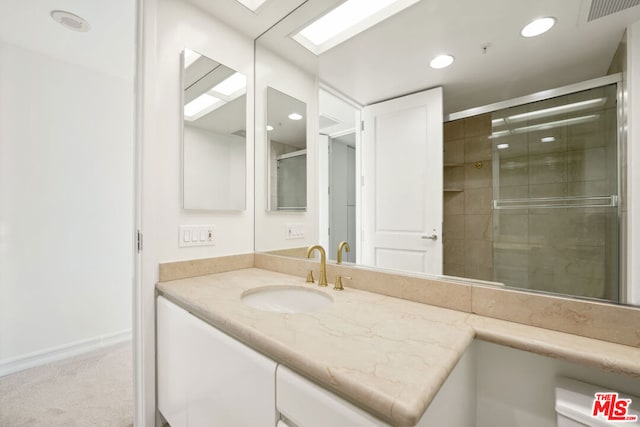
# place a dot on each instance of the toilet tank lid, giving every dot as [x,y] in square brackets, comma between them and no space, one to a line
[574,400]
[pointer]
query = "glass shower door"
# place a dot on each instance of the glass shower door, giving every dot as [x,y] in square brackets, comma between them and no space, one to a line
[555,195]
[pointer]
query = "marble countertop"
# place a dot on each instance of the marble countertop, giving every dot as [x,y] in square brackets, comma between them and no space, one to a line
[387,355]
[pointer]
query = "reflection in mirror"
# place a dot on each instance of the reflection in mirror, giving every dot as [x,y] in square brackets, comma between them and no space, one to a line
[287,148]
[214,135]
[534,186]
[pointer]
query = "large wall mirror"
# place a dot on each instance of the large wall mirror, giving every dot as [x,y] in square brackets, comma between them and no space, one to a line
[287,152]
[525,135]
[214,134]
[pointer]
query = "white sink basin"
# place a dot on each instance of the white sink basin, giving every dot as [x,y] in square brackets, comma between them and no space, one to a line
[286,299]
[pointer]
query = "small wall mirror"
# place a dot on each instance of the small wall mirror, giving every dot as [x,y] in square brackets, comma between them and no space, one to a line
[287,148]
[214,134]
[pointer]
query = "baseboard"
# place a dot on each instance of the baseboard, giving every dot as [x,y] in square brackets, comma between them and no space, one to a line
[31,360]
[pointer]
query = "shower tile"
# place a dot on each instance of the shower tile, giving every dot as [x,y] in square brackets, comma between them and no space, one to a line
[477,148]
[512,229]
[590,188]
[479,125]
[538,143]
[513,192]
[478,253]
[478,200]
[596,124]
[512,277]
[587,165]
[453,227]
[455,270]
[478,272]
[453,251]
[587,140]
[454,177]
[548,190]
[513,256]
[478,227]
[548,168]
[478,177]
[514,172]
[454,203]
[454,151]
[453,130]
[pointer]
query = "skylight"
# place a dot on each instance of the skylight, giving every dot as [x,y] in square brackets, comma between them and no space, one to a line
[345,21]
[200,106]
[237,82]
[252,4]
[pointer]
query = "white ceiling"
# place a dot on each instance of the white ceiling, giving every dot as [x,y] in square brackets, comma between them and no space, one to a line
[242,18]
[392,58]
[285,130]
[107,47]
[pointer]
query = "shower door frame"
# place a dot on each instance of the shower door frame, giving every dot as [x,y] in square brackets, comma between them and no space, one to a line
[618,80]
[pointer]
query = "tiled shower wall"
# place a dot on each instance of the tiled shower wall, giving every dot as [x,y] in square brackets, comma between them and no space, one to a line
[467,228]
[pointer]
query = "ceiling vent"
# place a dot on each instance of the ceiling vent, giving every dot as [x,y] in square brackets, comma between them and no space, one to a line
[328,121]
[602,8]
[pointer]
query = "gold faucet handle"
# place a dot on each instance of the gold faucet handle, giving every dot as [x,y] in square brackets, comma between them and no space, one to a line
[338,285]
[310,278]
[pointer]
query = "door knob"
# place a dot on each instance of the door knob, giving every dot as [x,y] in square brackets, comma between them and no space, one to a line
[433,237]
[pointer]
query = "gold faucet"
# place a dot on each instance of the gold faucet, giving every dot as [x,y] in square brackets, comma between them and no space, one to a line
[323,263]
[346,247]
[338,285]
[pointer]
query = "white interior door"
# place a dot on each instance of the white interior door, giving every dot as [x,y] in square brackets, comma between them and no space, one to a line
[402,190]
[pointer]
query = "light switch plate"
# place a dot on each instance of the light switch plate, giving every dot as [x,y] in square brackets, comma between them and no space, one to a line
[196,235]
[295,231]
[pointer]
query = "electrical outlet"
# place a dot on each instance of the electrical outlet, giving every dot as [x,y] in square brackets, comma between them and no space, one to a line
[295,231]
[196,235]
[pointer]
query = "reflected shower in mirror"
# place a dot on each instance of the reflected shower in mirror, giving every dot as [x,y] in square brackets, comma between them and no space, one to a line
[287,148]
[214,134]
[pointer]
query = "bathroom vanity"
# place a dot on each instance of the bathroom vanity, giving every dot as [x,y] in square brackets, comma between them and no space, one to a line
[365,359]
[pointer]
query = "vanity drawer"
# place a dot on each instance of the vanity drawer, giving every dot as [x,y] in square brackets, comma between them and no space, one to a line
[308,405]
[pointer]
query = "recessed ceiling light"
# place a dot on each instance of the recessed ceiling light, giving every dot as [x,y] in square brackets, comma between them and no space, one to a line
[295,116]
[269,128]
[235,83]
[345,21]
[548,139]
[441,61]
[200,106]
[502,146]
[70,20]
[538,26]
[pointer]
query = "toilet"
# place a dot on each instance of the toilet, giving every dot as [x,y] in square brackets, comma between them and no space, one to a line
[574,405]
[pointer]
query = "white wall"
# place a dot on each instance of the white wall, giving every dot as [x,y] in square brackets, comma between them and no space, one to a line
[66,210]
[180,26]
[271,227]
[169,27]
[633,160]
[215,170]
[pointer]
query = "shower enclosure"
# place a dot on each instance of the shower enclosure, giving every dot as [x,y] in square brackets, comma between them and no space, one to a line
[554,194]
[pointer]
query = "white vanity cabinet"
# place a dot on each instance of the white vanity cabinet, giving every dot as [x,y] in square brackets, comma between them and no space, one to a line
[206,378]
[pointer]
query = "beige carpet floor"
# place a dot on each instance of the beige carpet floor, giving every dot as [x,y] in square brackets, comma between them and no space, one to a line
[93,389]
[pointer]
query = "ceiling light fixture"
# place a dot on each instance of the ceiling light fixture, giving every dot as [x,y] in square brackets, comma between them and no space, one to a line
[295,116]
[345,21]
[502,146]
[269,128]
[441,61]
[70,20]
[561,109]
[538,26]
[546,126]
[548,139]
[200,106]
[237,82]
